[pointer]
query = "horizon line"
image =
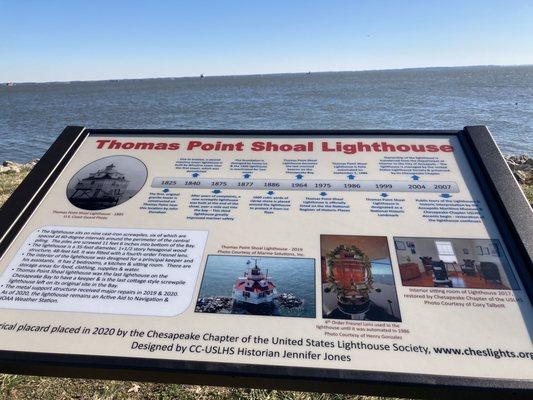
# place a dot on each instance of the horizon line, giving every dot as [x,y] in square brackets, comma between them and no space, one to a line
[201,75]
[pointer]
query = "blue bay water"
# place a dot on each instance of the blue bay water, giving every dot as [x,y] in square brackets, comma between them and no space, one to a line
[382,271]
[32,115]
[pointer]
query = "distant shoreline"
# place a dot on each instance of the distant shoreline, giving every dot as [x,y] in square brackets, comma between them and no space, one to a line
[437,68]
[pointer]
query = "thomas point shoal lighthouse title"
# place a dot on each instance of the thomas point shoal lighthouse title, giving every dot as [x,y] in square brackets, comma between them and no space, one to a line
[325,146]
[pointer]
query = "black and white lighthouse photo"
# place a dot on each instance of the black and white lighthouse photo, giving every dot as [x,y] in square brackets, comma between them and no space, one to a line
[107,182]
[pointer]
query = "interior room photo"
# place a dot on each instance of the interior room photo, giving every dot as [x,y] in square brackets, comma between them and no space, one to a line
[454,263]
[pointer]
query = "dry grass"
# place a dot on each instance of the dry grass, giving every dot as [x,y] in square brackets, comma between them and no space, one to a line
[18,387]
[9,182]
[528,190]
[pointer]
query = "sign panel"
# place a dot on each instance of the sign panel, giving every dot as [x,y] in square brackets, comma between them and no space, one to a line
[347,255]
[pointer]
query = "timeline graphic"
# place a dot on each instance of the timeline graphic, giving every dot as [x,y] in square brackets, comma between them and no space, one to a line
[307,185]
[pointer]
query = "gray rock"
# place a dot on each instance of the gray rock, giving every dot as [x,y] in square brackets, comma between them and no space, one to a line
[32,163]
[521,177]
[213,304]
[288,300]
[522,168]
[14,168]
[9,168]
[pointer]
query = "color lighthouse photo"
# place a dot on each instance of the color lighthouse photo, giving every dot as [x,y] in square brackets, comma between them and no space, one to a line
[357,279]
[278,286]
[254,287]
[106,182]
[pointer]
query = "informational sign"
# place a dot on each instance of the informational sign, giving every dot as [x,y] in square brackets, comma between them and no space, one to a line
[337,256]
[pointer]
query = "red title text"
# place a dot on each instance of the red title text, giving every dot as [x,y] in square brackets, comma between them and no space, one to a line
[268,146]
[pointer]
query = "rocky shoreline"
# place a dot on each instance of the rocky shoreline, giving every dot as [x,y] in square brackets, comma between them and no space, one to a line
[10,167]
[522,168]
[217,304]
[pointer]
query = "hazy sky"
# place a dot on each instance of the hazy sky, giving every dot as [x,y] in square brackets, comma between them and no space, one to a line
[49,40]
